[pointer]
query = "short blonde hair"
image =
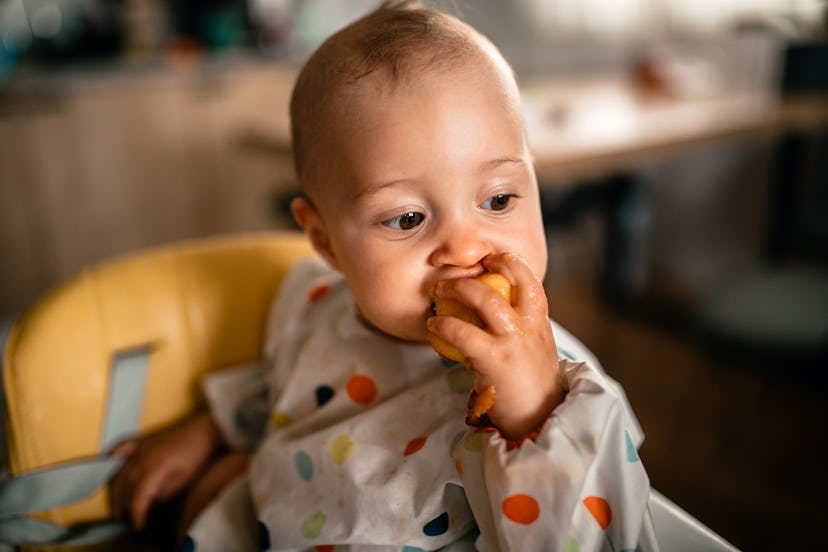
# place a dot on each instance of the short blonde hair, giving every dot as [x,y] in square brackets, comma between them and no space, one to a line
[399,39]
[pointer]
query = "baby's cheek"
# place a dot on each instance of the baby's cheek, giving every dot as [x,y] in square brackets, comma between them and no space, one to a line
[396,318]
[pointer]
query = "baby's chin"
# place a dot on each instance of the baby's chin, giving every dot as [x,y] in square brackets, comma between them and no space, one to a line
[412,329]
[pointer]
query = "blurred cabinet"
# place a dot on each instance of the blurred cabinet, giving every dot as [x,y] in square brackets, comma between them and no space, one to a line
[97,165]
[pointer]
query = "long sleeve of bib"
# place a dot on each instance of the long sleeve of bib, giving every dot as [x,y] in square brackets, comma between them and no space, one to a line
[579,485]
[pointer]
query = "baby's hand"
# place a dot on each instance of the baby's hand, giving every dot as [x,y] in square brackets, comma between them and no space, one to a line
[515,353]
[159,465]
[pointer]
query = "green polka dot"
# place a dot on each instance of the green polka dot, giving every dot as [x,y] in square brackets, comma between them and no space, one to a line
[313,524]
[455,440]
[304,465]
[474,442]
[338,313]
[342,449]
[448,363]
[465,530]
[571,545]
[460,380]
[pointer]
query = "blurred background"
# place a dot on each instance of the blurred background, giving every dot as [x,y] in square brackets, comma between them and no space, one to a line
[681,148]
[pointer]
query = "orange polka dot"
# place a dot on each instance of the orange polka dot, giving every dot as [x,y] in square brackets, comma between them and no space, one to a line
[318,292]
[458,466]
[600,510]
[324,548]
[414,445]
[521,508]
[362,389]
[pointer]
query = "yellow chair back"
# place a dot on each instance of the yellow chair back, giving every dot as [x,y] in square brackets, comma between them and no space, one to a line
[198,305]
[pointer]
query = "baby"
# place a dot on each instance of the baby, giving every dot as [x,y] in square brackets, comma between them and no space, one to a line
[410,147]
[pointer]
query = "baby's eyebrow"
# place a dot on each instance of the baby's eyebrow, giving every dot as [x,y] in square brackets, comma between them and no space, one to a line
[497,163]
[373,189]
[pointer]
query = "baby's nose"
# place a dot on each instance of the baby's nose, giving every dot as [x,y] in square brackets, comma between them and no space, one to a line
[461,245]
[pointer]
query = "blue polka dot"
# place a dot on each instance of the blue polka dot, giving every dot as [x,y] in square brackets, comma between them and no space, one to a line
[567,354]
[264,536]
[324,393]
[632,454]
[412,549]
[304,465]
[188,545]
[437,526]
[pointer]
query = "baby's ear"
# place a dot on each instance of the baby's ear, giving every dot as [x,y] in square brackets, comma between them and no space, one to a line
[309,219]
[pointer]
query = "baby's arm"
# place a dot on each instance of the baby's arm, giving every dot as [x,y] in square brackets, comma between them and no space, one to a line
[581,481]
[159,465]
[515,353]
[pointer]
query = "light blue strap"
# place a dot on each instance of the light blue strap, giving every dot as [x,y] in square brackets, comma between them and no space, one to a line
[27,530]
[40,490]
[70,482]
[127,387]
[38,531]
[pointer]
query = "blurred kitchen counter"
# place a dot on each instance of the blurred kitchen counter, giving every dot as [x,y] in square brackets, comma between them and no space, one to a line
[592,127]
[98,162]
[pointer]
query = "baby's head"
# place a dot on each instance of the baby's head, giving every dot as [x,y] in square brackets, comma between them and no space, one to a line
[410,147]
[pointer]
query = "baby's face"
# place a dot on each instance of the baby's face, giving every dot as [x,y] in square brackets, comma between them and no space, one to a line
[428,180]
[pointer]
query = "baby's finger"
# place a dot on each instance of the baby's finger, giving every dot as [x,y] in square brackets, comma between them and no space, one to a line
[115,496]
[120,489]
[467,338]
[145,494]
[528,295]
[124,448]
[492,308]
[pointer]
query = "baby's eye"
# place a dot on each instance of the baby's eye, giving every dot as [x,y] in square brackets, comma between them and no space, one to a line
[498,202]
[407,221]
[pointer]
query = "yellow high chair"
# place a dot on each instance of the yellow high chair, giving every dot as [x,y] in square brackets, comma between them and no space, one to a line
[119,350]
[116,351]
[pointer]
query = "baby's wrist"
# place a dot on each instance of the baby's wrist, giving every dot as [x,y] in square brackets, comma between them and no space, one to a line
[522,425]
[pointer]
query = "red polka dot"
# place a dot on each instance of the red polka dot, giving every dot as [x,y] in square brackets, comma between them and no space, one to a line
[521,508]
[362,389]
[324,548]
[600,510]
[414,445]
[318,292]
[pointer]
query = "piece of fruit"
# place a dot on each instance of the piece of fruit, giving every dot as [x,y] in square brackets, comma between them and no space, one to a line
[448,307]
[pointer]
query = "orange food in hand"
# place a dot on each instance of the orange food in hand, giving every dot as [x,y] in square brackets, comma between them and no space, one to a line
[479,403]
[448,307]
